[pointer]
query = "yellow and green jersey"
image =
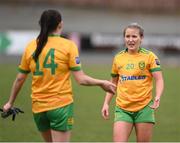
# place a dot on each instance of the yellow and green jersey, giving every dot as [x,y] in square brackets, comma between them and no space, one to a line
[134,89]
[51,83]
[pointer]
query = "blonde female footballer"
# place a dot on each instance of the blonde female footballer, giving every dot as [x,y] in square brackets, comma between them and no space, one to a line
[133,71]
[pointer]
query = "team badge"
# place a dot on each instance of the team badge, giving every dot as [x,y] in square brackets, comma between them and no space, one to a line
[70,121]
[77,60]
[141,65]
[157,62]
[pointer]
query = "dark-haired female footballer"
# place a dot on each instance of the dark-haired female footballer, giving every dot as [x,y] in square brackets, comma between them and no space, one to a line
[50,58]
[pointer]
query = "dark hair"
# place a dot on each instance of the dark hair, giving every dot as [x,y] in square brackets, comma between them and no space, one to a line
[48,23]
[137,26]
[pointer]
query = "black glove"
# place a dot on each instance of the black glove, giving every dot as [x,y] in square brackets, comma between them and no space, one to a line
[13,111]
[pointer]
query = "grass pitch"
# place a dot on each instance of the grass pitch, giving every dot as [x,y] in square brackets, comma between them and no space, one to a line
[89,125]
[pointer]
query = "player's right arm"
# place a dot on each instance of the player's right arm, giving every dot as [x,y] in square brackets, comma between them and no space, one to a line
[84,79]
[107,100]
[20,79]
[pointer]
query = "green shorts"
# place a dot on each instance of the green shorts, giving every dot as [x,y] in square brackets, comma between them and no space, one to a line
[60,119]
[145,115]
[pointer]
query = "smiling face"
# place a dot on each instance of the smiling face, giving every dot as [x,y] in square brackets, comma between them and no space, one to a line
[132,39]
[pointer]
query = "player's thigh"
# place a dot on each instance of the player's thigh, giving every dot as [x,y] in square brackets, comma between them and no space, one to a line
[47,136]
[122,131]
[144,131]
[60,136]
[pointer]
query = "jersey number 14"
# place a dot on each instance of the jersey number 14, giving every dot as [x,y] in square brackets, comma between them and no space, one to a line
[52,65]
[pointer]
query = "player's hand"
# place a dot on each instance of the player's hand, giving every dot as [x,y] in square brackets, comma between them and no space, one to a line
[109,86]
[12,111]
[7,106]
[156,103]
[105,111]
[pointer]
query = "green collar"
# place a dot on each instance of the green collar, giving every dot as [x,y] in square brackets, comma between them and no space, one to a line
[53,35]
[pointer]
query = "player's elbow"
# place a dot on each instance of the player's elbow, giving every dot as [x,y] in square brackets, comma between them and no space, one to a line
[82,81]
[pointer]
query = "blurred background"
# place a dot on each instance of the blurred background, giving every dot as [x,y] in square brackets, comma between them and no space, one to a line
[96,27]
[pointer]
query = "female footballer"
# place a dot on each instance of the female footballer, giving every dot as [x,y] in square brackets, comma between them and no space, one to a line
[133,70]
[50,58]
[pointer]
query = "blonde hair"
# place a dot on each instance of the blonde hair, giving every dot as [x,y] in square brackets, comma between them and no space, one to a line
[134,25]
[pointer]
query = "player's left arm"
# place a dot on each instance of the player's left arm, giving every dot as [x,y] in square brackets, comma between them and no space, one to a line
[159,81]
[20,78]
